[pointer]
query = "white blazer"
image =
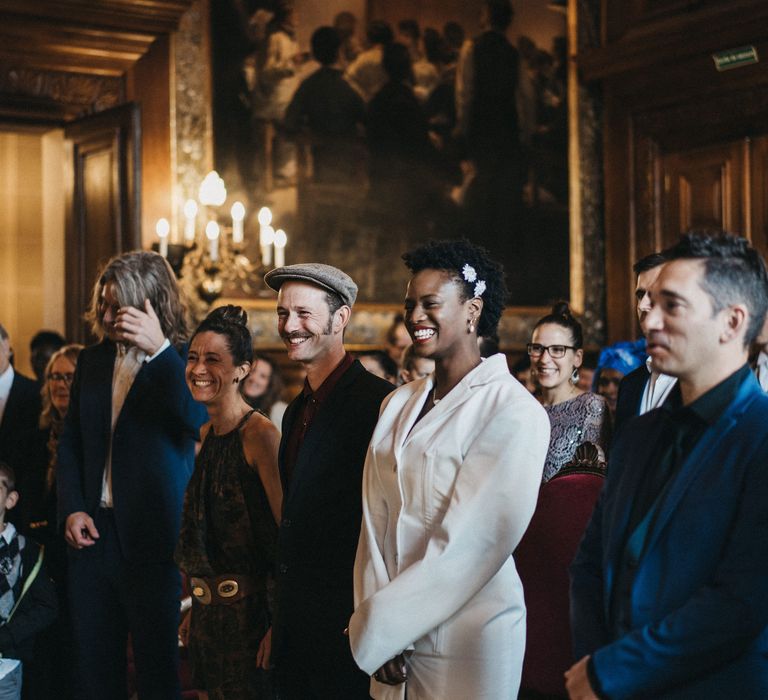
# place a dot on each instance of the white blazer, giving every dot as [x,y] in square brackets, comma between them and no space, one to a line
[445,503]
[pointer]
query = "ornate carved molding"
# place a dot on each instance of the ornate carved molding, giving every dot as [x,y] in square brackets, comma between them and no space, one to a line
[592,225]
[60,95]
[192,103]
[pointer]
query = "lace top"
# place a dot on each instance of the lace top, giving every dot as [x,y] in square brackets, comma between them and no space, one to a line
[582,418]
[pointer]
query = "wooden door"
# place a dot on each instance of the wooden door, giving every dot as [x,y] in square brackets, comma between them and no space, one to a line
[103,203]
[705,188]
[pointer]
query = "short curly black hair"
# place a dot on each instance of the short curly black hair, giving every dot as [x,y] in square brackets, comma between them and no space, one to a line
[231,322]
[451,256]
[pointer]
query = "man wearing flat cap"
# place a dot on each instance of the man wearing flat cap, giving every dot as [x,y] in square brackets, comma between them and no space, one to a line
[326,430]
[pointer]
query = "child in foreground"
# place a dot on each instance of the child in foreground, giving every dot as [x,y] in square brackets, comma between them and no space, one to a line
[27,596]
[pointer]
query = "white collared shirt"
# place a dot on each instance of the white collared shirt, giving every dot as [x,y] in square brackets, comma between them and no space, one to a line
[657,389]
[6,381]
[761,370]
[8,533]
[128,362]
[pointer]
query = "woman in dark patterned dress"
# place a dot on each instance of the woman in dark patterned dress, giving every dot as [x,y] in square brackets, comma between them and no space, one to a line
[229,523]
[575,416]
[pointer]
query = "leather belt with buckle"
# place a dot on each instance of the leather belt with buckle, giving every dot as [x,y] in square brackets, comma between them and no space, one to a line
[222,590]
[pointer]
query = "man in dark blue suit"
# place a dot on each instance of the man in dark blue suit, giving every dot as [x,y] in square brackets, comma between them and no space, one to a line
[669,594]
[124,460]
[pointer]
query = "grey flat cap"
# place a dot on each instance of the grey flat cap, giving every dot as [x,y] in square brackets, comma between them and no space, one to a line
[325,276]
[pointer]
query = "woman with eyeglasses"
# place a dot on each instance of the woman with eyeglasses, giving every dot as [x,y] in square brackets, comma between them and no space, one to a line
[575,416]
[52,663]
[41,496]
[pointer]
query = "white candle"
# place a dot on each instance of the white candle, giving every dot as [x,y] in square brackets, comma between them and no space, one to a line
[280,242]
[212,191]
[212,232]
[267,239]
[190,216]
[238,214]
[266,235]
[265,216]
[163,228]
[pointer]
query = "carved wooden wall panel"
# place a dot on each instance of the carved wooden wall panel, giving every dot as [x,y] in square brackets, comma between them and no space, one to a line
[704,187]
[684,144]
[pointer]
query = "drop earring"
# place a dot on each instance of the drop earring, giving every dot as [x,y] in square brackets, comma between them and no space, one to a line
[575,375]
[470,326]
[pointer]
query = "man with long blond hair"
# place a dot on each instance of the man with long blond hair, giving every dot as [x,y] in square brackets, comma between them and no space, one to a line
[125,457]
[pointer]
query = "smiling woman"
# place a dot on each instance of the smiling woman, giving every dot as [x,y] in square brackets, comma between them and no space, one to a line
[449,486]
[575,416]
[229,523]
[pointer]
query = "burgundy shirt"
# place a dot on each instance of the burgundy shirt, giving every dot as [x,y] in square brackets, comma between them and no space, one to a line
[309,404]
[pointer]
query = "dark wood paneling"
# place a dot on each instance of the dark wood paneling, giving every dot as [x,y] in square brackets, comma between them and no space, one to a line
[148,84]
[637,37]
[103,208]
[704,187]
[683,144]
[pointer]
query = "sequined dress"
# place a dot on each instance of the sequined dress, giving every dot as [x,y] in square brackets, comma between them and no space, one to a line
[227,527]
[580,419]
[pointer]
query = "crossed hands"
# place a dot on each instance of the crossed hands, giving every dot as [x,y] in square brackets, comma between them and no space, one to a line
[394,672]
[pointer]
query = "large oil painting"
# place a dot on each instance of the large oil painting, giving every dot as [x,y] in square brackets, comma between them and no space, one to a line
[412,171]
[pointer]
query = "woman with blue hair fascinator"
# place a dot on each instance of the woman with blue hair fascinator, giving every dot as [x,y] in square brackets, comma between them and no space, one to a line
[615,362]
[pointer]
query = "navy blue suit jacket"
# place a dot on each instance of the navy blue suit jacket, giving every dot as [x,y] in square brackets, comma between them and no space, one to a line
[153,449]
[699,602]
[630,395]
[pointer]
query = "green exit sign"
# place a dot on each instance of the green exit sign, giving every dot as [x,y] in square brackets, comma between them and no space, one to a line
[735,58]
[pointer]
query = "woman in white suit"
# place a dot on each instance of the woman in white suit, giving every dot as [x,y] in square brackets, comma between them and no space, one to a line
[450,483]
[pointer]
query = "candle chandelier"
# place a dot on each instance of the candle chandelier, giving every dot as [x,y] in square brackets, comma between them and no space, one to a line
[211,258]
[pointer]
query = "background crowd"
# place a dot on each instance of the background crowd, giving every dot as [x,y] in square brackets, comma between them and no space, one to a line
[429,128]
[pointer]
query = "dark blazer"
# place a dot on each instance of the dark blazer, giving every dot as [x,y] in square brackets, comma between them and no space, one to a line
[153,449]
[322,512]
[18,428]
[699,601]
[630,395]
[37,610]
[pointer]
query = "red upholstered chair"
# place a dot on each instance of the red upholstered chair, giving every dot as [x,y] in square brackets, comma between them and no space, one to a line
[542,559]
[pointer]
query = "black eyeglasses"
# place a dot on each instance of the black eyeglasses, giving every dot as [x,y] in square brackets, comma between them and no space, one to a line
[58,377]
[555,351]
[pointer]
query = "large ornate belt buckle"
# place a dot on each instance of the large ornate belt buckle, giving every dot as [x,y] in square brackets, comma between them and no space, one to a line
[228,588]
[201,590]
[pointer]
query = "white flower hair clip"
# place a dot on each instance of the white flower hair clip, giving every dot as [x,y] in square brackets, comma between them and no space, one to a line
[470,275]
